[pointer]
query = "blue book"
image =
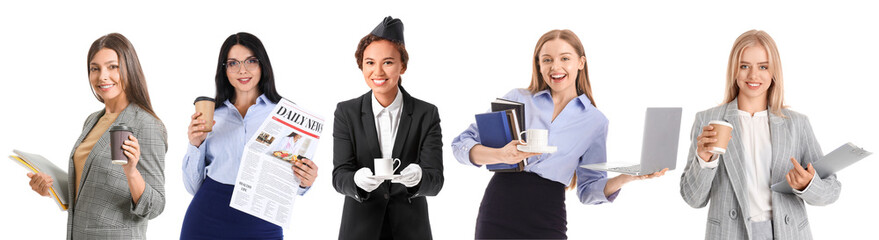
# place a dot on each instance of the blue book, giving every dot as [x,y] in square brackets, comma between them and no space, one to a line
[495,132]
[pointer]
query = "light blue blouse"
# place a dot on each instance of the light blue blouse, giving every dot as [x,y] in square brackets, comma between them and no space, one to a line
[579,132]
[220,154]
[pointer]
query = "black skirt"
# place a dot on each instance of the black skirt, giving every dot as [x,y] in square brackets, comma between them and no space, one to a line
[522,205]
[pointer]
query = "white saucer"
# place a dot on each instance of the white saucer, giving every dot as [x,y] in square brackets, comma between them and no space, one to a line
[388,177]
[544,149]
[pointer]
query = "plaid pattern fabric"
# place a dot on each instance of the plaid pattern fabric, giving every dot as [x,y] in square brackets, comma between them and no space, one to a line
[104,208]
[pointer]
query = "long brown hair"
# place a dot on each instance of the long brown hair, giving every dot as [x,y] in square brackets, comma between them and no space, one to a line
[582,84]
[133,81]
[751,38]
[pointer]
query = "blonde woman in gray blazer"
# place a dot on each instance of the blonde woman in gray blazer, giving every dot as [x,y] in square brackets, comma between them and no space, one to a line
[768,144]
[110,201]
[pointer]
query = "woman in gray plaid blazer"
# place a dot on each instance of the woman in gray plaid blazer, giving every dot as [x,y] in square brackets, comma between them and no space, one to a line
[112,201]
[768,144]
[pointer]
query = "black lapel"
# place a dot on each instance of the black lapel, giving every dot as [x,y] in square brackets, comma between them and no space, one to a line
[405,123]
[367,118]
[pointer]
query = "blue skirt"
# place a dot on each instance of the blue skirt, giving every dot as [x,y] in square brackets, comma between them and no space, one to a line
[210,217]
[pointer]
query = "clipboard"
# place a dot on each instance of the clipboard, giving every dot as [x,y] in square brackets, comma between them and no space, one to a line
[838,159]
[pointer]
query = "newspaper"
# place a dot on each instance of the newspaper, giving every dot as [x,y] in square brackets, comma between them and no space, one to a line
[266,187]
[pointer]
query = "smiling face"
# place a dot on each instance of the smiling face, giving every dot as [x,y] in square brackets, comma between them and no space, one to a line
[754,77]
[104,75]
[559,64]
[382,67]
[244,79]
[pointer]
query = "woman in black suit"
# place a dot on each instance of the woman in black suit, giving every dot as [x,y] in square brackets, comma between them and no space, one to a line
[386,122]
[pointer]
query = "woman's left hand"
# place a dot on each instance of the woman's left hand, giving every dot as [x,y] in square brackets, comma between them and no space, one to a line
[306,171]
[643,177]
[798,177]
[652,175]
[131,149]
[614,184]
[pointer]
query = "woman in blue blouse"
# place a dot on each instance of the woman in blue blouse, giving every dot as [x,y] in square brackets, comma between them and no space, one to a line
[245,97]
[559,99]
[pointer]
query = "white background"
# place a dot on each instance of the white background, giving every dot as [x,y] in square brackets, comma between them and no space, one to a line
[463,54]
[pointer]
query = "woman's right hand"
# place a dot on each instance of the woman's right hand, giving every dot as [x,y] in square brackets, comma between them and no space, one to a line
[41,183]
[702,141]
[196,136]
[510,154]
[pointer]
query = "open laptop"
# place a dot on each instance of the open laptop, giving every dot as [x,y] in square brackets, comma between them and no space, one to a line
[660,146]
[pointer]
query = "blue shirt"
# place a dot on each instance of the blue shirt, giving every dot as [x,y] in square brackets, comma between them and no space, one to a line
[220,154]
[579,132]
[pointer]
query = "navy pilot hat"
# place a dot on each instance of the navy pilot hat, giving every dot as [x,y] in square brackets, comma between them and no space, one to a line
[390,28]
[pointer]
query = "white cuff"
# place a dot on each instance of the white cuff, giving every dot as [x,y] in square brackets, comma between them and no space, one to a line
[798,192]
[710,164]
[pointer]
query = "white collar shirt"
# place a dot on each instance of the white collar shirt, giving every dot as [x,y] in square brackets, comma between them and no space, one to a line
[387,121]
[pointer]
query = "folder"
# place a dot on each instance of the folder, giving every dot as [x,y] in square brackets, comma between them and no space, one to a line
[38,164]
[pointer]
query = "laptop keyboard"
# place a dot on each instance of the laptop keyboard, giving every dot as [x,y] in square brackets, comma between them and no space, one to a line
[631,169]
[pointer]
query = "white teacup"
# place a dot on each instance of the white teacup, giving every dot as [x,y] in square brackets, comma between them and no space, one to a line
[536,137]
[385,166]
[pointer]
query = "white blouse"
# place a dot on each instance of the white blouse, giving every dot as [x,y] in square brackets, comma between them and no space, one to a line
[757,151]
[387,120]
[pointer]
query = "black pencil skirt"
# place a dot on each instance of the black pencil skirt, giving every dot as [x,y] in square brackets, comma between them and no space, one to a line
[522,205]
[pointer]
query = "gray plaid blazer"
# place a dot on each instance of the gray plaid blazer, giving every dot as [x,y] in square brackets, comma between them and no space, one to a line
[104,209]
[724,186]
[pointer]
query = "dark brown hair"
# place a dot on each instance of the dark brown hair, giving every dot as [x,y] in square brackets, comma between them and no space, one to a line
[266,85]
[133,81]
[368,39]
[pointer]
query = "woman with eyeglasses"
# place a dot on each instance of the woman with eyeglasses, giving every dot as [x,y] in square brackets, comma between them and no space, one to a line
[245,96]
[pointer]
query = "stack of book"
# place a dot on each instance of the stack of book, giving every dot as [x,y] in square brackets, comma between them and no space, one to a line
[501,126]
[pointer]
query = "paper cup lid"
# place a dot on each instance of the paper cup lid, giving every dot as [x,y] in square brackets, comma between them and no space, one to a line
[120,127]
[719,122]
[203,98]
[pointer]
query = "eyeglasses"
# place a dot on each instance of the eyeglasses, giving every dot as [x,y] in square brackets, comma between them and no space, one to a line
[251,64]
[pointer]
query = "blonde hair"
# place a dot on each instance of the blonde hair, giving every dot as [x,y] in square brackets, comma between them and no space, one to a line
[582,84]
[750,38]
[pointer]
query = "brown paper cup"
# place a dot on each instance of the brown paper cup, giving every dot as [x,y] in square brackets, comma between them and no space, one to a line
[724,130]
[118,135]
[205,105]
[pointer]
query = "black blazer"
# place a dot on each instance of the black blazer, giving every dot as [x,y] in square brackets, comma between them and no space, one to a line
[391,210]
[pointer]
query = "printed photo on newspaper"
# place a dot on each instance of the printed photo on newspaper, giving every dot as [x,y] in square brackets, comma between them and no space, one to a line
[266,187]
